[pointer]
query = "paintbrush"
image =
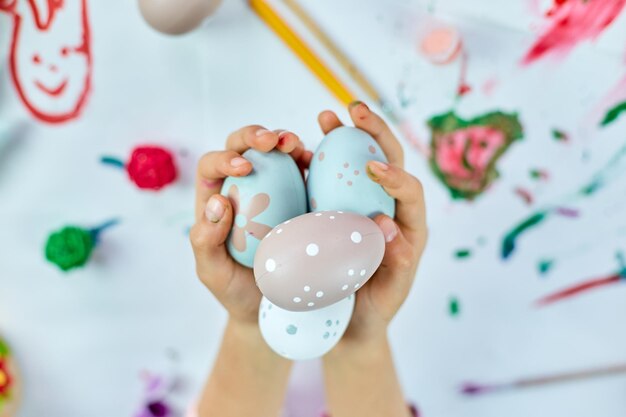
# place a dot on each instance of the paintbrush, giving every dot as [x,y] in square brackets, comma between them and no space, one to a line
[473,389]
[357,75]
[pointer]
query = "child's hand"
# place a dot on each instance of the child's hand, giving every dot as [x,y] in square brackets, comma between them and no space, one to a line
[231,283]
[378,301]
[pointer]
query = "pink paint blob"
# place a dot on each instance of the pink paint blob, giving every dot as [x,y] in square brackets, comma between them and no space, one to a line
[441,46]
[464,155]
[572,22]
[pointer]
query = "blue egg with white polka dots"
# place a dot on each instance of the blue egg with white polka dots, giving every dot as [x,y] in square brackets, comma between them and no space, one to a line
[337,176]
[272,193]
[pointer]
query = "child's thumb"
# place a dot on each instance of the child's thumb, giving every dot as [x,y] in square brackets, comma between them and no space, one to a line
[209,234]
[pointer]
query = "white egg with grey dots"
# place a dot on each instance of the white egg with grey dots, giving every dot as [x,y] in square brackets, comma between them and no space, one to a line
[303,335]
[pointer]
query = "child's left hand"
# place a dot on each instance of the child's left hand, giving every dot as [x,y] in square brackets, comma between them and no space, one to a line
[231,283]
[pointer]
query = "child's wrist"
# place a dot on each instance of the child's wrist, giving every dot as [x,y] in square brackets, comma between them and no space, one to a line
[362,346]
[249,334]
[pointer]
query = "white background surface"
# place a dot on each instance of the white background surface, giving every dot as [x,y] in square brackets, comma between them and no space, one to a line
[82,338]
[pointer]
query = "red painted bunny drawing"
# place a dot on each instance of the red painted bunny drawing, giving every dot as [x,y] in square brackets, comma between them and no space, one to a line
[50,59]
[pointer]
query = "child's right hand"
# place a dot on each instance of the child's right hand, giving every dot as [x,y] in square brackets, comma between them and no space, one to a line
[231,283]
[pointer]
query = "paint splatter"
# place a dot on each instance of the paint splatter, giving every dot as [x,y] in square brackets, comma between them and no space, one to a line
[567,212]
[489,86]
[463,87]
[560,135]
[403,97]
[619,276]
[544,266]
[539,174]
[570,23]
[454,307]
[464,153]
[510,238]
[615,167]
[525,195]
[463,253]
[613,114]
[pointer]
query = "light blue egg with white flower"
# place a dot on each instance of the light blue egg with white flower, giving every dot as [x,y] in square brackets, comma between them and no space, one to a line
[271,194]
[337,176]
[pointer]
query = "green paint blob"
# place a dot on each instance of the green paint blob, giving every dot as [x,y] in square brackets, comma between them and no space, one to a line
[291,329]
[454,307]
[560,135]
[613,114]
[544,266]
[326,335]
[69,247]
[508,243]
[463,253]
[329,323]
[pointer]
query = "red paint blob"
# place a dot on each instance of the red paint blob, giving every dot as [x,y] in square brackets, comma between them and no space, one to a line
[151,167]
[572,22]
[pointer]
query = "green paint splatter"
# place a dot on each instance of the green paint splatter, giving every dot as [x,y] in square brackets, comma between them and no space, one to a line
[544,266]
[291,329]
[454,307]
[4,349]
[560,135]
[463,253]
[613,114]
[538,174]
[480,177]
[508,243]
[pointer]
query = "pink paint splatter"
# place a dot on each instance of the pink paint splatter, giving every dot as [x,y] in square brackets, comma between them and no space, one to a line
[572,22]
[489,86]
[525,195]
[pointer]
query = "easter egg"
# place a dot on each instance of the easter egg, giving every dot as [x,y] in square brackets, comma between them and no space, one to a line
[317,259]
[272,193]
[337,178]
[306,334]
[175,17]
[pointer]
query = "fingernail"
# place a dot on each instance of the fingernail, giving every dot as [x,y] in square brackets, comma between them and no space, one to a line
[282,137]
[371,173]
[261,132]
[380,166]
[389,228]
[238,161]
[354,104]
[214,210]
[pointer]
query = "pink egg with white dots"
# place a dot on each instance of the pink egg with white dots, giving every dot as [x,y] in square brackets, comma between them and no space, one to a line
[317,259]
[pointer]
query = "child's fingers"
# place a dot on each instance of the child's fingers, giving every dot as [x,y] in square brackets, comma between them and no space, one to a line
[287,141]
[212,169]
[400,255]
[302,156]
[254,136]
[409,195]
[328,121]
[373,124]
[208,236]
